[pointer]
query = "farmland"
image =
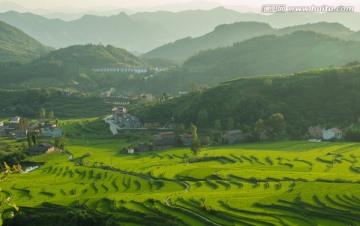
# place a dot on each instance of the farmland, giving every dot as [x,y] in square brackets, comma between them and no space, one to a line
[281,183]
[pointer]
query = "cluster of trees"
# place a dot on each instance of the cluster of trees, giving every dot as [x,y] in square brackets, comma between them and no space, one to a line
[273,128]
[326,97]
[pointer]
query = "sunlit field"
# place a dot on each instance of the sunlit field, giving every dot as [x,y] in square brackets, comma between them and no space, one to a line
[283,183]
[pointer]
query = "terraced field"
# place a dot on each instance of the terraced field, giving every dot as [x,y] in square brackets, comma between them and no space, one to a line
[284,183]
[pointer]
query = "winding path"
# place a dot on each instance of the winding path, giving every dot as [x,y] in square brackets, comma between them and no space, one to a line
[168,203]
[113,127]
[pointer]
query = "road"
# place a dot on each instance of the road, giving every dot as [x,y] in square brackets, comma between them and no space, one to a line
[113,127]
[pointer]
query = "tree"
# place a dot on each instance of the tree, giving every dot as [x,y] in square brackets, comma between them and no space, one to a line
[218,128]
[4,203]
[33,137]
[165,97]
[181,128]
[51,115]
[57,122]
[217,125]
[195,141]
[268,82]
[29,140]
[24,123]
[42,113]
[62,143]
[230,123]
[260,129]
[276,125]
[202,118]
[206,141]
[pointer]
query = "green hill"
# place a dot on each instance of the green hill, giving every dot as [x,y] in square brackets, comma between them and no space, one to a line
[328,97]
[271,54]
[332,29]
[71,65]
[17,46]
[228,34]
[27,102]
[223,35]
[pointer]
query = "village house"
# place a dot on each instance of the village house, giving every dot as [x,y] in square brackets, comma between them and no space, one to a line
[2,129]
[51,132]
[105,94]
[41,149]
[14,123]
[66,93]
[334,133]
[147,97]
[233,136]
[21,133]
[136,70]
[316,131]
[186,140]
[130,150]
[125,120]
[165,139]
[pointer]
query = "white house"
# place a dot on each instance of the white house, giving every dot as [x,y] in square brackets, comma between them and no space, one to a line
[333,133]
[130,150]
[16,120]
[51,132]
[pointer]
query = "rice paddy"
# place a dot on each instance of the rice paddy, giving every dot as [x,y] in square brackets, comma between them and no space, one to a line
[282,183]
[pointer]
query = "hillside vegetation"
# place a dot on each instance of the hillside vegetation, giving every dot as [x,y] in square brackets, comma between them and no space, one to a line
[327,97]
[228,34]
[27,102]
[223,35]
[16,46]
[271,54]
[69,66]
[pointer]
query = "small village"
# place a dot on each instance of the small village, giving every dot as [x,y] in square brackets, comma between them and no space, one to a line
[19,128]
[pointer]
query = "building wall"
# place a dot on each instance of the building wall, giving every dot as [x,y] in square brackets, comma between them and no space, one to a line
[328,134]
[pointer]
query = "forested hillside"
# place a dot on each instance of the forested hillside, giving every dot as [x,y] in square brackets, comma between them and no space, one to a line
[70,65]
[272,54]
[329,97]
[16,46]
[222,35]
[228,34]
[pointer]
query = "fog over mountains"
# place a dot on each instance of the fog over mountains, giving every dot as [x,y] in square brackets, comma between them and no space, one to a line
[144,31]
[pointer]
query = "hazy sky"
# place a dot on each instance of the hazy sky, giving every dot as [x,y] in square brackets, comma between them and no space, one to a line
[58,4]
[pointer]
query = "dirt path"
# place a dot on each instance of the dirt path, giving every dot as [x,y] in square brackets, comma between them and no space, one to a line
[168,203]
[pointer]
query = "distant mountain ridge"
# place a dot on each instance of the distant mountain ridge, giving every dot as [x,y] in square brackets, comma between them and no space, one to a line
[223,35]
[16,46]
[228,34]
[145,31]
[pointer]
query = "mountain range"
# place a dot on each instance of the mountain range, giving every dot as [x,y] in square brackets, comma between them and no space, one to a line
[145,31]
[227,34]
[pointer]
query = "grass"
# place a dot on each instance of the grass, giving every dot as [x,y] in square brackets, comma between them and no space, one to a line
[283,183]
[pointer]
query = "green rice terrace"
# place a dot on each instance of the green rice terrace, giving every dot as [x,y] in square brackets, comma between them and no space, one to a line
[282,183]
